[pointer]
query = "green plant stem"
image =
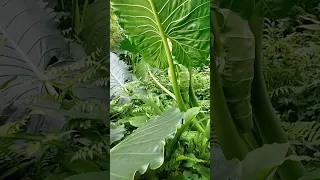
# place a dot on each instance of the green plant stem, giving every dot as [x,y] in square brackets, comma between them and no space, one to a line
[174,141]
[173,76]
[75,14]
[266,119]
[161,86]
[84,11]
[192,96]
[228,136]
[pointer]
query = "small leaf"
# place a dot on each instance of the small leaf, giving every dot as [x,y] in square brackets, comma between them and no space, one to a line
[312,27]
[191,113]
[138,121]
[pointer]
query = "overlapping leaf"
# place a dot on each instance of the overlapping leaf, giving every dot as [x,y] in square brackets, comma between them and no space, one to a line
[96,30]
[145,146]
[32,40]
[185,23]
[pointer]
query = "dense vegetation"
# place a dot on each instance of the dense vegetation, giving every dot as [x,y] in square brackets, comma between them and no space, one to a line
[270,50]
[55,81]
[54,95]
[160,90]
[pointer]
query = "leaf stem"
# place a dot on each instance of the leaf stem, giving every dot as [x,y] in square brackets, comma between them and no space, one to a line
[267,121]
[173,76]
[161,86]
[230,141]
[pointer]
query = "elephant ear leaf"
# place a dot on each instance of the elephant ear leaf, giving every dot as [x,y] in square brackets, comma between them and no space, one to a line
[96,30]
[144,147]
[151,25]
[31,42]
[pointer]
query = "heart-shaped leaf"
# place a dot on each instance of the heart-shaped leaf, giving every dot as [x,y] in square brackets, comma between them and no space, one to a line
[152,24]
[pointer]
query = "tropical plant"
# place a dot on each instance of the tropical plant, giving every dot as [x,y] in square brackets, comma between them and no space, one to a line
[54,118]
[166,42]
[238,84]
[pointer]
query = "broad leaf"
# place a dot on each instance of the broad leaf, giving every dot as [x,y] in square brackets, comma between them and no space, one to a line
[96,30]
[32,40]
[270,156]
[144,147]
[150,24]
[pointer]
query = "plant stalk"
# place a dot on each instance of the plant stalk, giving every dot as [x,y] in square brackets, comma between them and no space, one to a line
[267,121]
[173,76]
[192,96]
[161,86]
[227,133]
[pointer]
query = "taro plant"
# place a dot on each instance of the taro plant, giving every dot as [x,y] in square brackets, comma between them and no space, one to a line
[173,36]
[242,114]
[54,120]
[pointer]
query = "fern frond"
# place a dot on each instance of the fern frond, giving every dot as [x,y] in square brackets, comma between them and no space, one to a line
[308,131]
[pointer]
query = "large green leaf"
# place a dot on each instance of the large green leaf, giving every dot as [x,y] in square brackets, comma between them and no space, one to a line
[267,8]
[96,30]
[32,40]
[145,146]
[149,25]
[270,157]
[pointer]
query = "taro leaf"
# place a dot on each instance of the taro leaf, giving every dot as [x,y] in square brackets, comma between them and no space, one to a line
[149,24]
[102,175]
[127,46]
[144,147]
[267,8]
[270,157]
[96,30]
[32,40]
[118,74]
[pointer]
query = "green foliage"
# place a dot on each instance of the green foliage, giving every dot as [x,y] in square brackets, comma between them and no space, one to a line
[238,71]
[266,8]
[76,114]
[144,147]
[183,24]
